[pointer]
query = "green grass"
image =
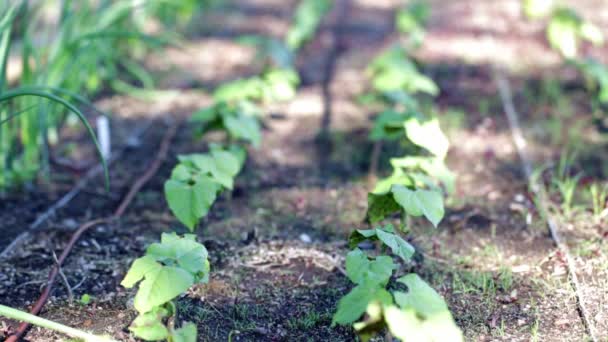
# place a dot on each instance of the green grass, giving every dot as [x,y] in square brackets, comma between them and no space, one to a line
[90,46]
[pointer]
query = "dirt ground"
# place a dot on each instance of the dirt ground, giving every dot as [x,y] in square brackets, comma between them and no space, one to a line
[278,241]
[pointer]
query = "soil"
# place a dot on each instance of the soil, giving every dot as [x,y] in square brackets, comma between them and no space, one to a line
[277,243]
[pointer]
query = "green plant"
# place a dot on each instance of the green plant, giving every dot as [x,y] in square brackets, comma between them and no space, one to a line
[85,299]
[537,9]
[307,18]
[170,267]
[566,29]
[92,45]
[198,178]
[414,189]
[599,195]
[167,270]
[412,19]
[567,187]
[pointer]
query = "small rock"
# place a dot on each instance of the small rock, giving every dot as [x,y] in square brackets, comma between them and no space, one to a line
[305,238]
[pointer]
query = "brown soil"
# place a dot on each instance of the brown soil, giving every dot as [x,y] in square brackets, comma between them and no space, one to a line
[491,257]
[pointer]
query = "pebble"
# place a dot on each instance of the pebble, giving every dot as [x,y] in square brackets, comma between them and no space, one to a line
[305,238]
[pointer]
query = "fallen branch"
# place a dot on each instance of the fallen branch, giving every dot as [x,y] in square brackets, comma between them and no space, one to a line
[506,96]
[120,210]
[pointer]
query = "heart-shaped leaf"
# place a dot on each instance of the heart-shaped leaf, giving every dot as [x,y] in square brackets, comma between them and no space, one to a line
[428,135]
[190,201]
[160,286]
[420,202]
[362,270]
[420,296]
[184,251]
[352,306]
[149,326]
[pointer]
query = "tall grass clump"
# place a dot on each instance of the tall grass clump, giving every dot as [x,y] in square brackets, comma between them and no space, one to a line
[69,50]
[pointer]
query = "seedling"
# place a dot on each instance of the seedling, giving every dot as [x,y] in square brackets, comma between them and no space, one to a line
[413,190]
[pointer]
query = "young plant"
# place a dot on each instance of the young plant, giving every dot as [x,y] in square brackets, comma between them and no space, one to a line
[308,16]
[415,189]
[411,20]
[198,178]
[567,29]
[599,195]
[168,269]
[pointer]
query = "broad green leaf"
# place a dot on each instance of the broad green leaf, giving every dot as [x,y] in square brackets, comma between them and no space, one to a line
[139,269]
[381,205]
[563,31]
[399,177]
[406,198]
[407,326]
[388,126]
[592,33]
[185,251]
[352,306]
[227,164]
[222,166]
[160,286]
[244,127]
[208,114]
[149,326]
[433,166]
[394,71]
[361,270]
[428,135]
[373,323]
[306,19]
[420,202]
[420,297]
[399,246]
[241,89]
[190,201]
[360,235]
[536,9]
[280,84]
[187,333]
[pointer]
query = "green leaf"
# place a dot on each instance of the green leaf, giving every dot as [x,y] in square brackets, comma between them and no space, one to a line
[352,306]
[563,31]
[420,297]
[407,326]
[183,172]
[280,84]
[244,127]
[433,166]
[139,269]
[536,9]
[359,236]
[428,135]
[381,205]
[221,165]
[190,201]
[208,114]
[384,185]
[399,246]
[85,299]
[388,126]
[241,89]
[373,323]
[420,202]
[185,251]
[160,286]
[187,333]
[149,326]
[361,270]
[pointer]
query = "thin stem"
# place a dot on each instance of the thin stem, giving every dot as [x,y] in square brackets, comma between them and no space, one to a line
[45,323]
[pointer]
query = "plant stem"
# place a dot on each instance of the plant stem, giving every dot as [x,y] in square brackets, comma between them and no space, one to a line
[45,323]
